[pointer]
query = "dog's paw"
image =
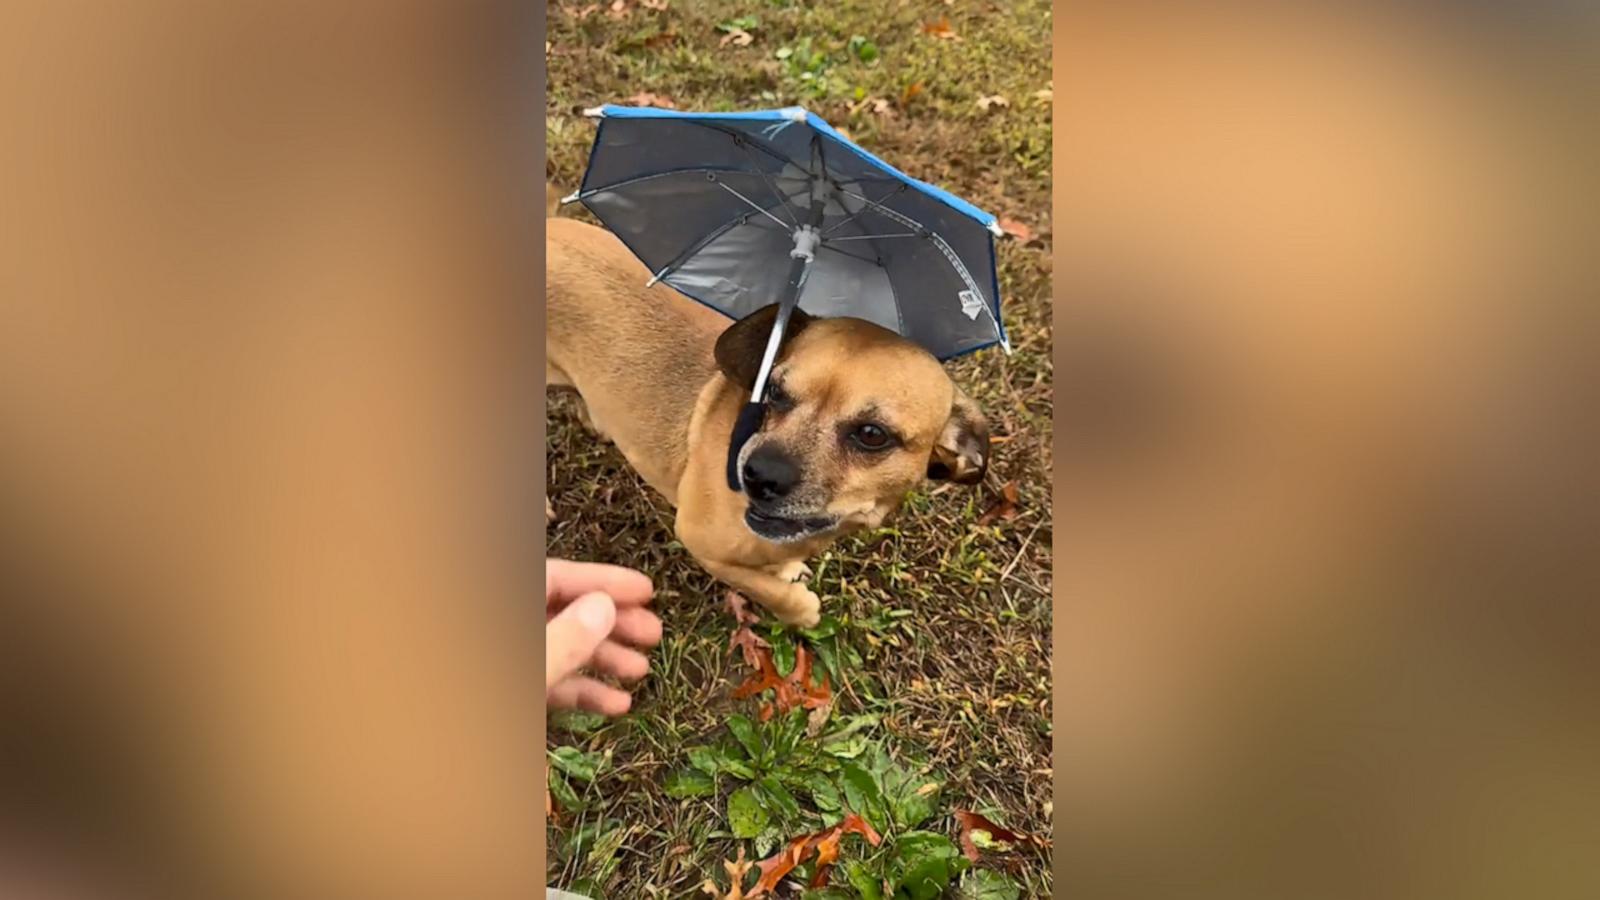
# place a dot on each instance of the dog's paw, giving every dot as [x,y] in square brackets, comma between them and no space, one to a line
[801,607]
[795,571]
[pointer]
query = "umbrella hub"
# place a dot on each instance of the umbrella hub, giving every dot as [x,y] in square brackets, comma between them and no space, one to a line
[806,239]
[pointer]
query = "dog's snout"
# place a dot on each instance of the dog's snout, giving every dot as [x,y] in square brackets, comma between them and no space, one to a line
[770,475]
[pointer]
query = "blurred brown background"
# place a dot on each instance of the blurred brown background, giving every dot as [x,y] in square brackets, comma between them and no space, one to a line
[1325,452]
[269,437]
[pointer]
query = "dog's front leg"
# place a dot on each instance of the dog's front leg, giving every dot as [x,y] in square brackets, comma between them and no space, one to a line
[793,603]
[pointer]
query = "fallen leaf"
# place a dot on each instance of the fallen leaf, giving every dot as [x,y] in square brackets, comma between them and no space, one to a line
[1044,94]
[1016,229]
[827,854]
[991,101]
[749,643]
[644,98]
[779,864]
[910,93]
[794,691]
[737,37]
[844,134]
[736,868]
[941,30]
[657,5]
[583,13]
[826,845]
[618,10]
[739,607]
[972,822]
[927,789]
[1004,508]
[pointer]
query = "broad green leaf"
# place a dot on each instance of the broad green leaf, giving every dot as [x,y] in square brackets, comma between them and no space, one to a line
[705,759]
[911,808]
[831,893]
[777,799]
[602,857]
[746,817]
[690,783]
[783,649]
[579,764]
[864,795]
[563,793]
[925,863]
[825,794]
[983,884]
[745,731]
[577,721]
[866,882]
[827,628]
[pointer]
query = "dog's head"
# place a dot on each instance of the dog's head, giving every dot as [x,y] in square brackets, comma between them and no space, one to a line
[856,417]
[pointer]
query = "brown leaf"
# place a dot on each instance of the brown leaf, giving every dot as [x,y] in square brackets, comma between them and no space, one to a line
[854,824]
[1016,229]
[583,13]
[644,98]
[618,10]
[737,37]
[827,853]
[910,93]
[1044,94]
[739,608]
[749,643]
[794,691]
[991,101]
[779,864]
[736,868]
[971,821]
[941,30]
[657,5]
[1004,508]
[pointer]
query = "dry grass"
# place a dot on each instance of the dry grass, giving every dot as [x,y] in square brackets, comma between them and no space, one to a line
[946,623]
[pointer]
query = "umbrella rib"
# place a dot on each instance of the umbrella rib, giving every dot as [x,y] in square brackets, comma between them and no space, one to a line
[754,205]
[793,213]
[870,237]
[698,170]
[939,242]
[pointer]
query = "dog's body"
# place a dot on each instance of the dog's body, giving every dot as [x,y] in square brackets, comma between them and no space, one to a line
[664,378]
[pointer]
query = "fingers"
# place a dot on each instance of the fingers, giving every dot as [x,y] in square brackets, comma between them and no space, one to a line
[614,659]
[565,581]
[637,626]
[586,693]
[572,637]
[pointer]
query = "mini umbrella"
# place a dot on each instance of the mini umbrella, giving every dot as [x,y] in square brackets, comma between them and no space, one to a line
[739,210]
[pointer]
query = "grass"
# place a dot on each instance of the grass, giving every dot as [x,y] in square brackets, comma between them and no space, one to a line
[941,625]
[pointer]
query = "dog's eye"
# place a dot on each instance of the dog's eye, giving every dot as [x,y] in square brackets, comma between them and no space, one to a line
[778,398]
[870,437]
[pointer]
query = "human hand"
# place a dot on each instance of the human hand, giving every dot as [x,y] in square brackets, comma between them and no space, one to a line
[595,616]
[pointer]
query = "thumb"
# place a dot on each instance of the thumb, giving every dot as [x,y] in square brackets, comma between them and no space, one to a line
[571,638]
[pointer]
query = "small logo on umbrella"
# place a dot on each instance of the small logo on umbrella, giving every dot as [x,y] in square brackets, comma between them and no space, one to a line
[970,304]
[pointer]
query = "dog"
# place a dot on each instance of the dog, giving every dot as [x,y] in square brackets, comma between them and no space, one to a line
[857,415]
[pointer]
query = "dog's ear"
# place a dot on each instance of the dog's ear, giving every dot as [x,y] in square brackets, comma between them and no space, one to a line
[961,454]
[740,348]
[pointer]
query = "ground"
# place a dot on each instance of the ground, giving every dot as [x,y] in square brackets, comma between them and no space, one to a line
[938,637]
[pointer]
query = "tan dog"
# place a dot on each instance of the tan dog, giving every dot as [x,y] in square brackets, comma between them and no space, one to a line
[858,415]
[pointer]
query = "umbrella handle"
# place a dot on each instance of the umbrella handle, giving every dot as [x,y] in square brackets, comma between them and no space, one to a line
[748,423]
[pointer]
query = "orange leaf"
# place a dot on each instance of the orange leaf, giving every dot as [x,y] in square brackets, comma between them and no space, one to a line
[910,93]
[971,821]
[779,864]
[736,869]
[647,99]
[1016,229]
[750,643]
[827,852]
[941,30]
[1004,508]
[739,607]
[854,824]
[767,677]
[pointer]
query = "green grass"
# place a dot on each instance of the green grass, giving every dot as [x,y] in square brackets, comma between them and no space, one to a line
[942,635]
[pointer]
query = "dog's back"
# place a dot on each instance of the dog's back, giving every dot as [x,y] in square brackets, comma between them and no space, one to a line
[638,356]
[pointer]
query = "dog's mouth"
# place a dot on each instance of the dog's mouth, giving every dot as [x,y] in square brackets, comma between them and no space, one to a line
[785,528]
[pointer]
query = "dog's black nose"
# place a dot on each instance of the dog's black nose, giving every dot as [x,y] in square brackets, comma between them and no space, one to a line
[769,475]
